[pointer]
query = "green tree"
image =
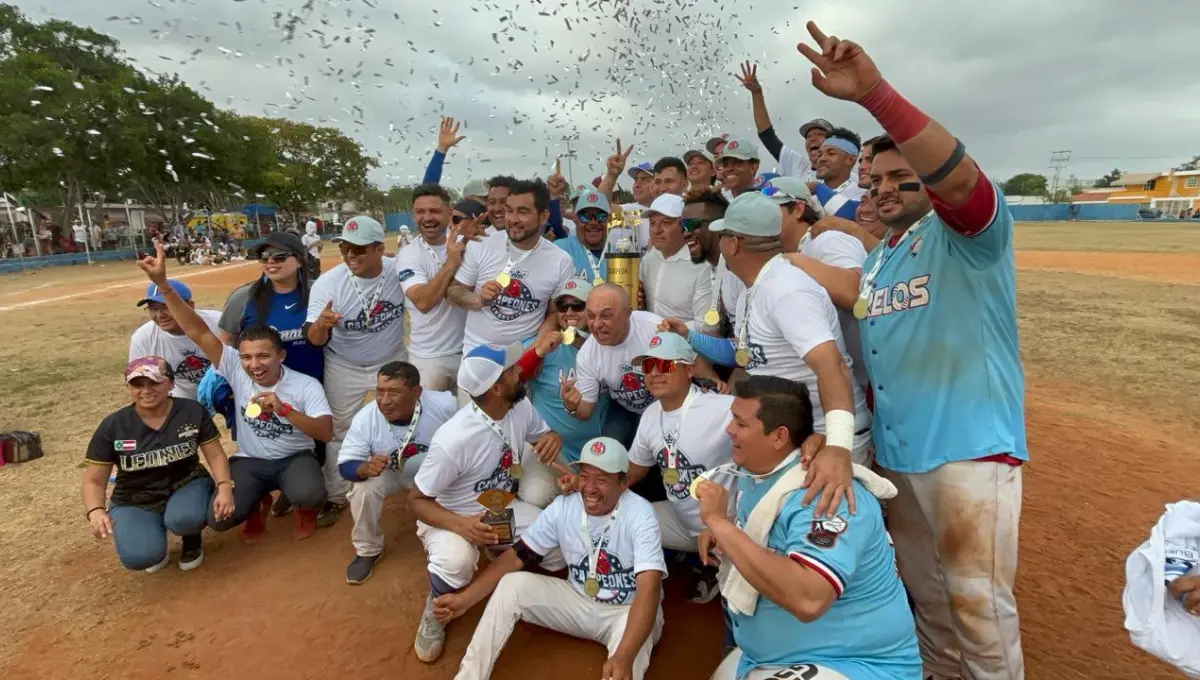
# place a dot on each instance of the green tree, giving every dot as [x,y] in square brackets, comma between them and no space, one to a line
[1110,179]
[1193,164]
[1026,184]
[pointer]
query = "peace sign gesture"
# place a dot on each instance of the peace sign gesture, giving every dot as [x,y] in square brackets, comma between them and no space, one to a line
[749,78]
[616,162]
[843,70]
[448,134]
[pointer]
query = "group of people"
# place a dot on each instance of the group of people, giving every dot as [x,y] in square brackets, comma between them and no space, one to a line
[807,348]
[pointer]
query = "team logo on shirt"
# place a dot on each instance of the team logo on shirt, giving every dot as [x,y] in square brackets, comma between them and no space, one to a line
[405,274]
[687,471]
[382,316]
[411,450]
[618,583]
[268,426]
[758,357]
[500,477]
[187,431]
[915,247]
[515,300]
[157,458]
[192,367]
[900,297]
[824,533]
[631,391]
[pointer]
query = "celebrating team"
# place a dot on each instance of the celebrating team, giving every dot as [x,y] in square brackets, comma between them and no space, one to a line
[798,330]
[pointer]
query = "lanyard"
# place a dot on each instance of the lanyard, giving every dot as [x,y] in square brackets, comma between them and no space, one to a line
[595,265]
[712,317]
[742,343]
[594,550]
[493,426]
[402,444]
[512,264]
[437,260]
[368,304]
[733,470]
[868,281]
[672,454]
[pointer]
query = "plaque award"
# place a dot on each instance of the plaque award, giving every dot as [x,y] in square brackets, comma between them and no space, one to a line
[498,516]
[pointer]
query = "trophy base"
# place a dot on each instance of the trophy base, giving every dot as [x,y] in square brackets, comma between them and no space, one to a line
[623,271]
[501,524]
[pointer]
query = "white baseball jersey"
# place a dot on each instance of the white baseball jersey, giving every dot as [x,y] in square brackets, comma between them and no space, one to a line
[371,434]
[440,332]
[187,360]
[360,339]
[270,436]
[610,367]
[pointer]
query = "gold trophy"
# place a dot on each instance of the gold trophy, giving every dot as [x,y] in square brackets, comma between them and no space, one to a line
[498,516]
[625,255]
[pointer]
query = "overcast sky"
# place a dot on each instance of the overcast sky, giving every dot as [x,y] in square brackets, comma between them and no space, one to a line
[1015,80]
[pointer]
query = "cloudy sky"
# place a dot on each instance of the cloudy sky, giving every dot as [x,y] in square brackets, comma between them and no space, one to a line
[1015,80]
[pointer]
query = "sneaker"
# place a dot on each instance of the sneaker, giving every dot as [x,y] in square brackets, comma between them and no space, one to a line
[192,554]
[256,523]
[159,566]
[431,635]
[282,506]
[304,524]
[360,569]
[330,514]
[704,588]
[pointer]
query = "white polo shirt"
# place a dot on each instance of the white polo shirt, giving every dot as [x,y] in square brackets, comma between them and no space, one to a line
[676,287]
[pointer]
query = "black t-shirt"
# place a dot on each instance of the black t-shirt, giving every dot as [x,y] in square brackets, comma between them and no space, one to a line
[152,464]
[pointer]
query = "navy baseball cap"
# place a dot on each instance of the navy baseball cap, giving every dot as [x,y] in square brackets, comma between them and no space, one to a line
[153,294]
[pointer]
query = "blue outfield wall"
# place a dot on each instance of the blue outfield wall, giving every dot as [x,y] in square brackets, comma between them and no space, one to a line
[17,264]
[1061,212]
[392,221]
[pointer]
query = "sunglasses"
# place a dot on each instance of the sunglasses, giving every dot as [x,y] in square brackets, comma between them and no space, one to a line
[592,217]
[352,249]
[771,191]
[274,258]
[565,304]
[654,365]
[456,219]
[691,224]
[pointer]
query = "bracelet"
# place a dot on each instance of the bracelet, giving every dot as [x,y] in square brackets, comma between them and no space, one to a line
[88,516]
[225,481]
[956,156]
[285,409]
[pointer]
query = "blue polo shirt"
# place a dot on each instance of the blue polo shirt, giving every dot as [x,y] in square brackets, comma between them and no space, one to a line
[579,258]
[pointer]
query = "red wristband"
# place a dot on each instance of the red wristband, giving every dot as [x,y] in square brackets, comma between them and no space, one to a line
[897,115]
[285,409]
[529,363]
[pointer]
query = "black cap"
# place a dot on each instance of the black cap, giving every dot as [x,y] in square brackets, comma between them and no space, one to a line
[470,208]
[279,240]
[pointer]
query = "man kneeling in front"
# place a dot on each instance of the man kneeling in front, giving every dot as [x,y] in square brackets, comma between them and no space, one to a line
[610,539]
[811,597]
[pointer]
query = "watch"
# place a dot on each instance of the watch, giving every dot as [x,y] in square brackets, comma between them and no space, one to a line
[232,486]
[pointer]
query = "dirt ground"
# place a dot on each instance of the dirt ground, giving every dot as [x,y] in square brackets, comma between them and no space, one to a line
[1109,354]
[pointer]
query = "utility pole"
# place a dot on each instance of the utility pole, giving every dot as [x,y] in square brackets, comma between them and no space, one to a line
[1058,161]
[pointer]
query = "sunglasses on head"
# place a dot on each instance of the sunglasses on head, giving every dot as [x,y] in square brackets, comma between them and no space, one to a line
[273,258]
[655,365]
[592,216]
[691,224]
[567,304]
[770,191]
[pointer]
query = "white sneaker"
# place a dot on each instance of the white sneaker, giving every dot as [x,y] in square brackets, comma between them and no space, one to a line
[159,566]
[431,635]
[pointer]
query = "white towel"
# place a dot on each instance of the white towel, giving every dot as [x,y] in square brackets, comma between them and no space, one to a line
[1156,621]
[742,597]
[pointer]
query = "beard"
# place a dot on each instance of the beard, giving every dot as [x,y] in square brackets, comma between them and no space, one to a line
[518,394]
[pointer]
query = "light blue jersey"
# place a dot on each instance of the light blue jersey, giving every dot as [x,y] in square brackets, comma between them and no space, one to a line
[544,394]
[940,344]
[580,258]
[868,633]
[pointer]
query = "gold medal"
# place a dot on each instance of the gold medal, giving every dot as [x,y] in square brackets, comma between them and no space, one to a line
[692,487]
[711,317]
[515,471]
[597,281]
[591,587]
[860,308]
[568,335]
[741,358]
[253,410]
[503,278]
[671,476]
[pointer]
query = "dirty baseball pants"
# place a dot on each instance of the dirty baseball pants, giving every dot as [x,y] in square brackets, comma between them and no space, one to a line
[437,373]
[347,388]
[955,533]
[366,504]
[799,671]
[550,603]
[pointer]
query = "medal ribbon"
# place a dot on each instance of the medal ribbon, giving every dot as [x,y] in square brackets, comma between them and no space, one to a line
[745,320]
[408,436]
[594,550]
[513,263]
[868,281]
[672,455]
[595,264]
[714,282]
[368,304]
[432,253]
[496,428]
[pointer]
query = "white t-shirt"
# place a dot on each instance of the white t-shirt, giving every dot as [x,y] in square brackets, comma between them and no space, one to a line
[371,434]
[676,287]
[633,544]
[355,339]
[790,314]
[701,444]
[270,436]
[517,313]
[467,458]
[728,289]
[837,249]
[440,332]
[610,367]
[185,357]
[796,164]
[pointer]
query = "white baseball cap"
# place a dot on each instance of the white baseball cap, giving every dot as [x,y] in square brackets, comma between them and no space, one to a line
[668,205]
[605,453]
[483,366]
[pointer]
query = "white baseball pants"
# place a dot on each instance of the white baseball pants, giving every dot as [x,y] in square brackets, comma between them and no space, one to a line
[437,373]
[348,388]
[366,504]
[675,536]
[550,603]
[955,532]
[800,671]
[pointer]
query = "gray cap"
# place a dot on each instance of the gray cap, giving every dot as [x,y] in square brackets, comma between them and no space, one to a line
[814,124]
[361,230]
[750,214]
[740,148]
[784,190]
[475,187]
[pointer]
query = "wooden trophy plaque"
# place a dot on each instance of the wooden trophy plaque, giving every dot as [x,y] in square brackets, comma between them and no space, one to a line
[498,516]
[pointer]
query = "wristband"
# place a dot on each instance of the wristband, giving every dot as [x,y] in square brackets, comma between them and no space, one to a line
[88,516]
[839,429]
[285,409]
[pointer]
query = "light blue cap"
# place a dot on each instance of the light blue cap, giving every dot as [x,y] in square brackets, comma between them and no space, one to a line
[750,214]
[669,346]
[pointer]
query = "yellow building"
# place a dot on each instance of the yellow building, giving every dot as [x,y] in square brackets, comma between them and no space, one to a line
[1171,192]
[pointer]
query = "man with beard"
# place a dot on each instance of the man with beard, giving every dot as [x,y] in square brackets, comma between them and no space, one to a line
[587,248]
[643,194]
[481,448]
[791,162]
[670,176]
[356,313]
[675,287]
[939,331]
[838,189]
[701,171]
[382,452]
[426,268]
[701,211]
[162,336]
[739,165]
[505,283]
